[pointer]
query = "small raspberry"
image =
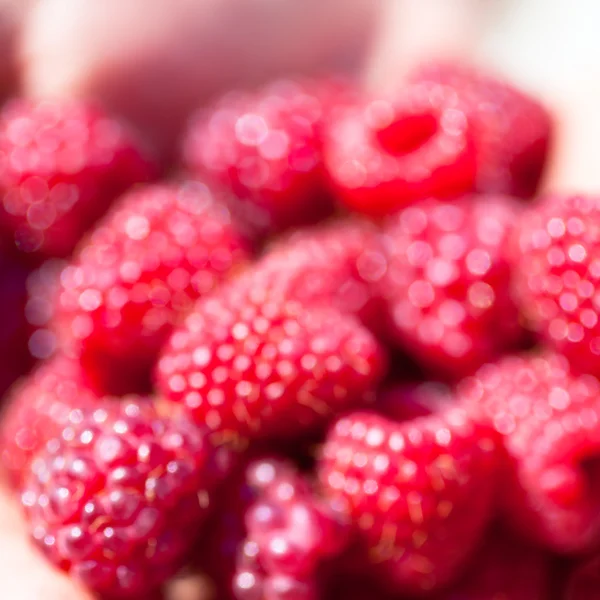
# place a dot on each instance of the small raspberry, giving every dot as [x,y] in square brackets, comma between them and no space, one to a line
[339,264]
[118,499]
[419,493]
[548,421]
[511,130]
[504,569]
[159,250]
[38,408]
[266,148]
[557,275]
[448,282]
[61,165]
[250,364]
[290,534]
[383,155]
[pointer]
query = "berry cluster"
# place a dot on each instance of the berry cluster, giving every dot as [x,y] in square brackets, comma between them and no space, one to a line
[339,354]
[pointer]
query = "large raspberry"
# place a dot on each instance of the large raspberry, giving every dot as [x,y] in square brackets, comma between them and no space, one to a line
[557,275]
[61,164]
[160,249]
[117,500]
[511,130]
[250,364]
[382,155]
[548,420]
[266,148]
[339,264]
[448,282]
[419,493]
[38,408]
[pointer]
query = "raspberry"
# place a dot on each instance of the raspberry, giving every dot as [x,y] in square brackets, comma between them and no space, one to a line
[251,364]
[556,276]
[160,249]
[118,499]
[266,148]
[383,155]
[290,534]
[419,493]
[61,165]
[38,408]
[339,264]
[448,282]
[511,131]
[506,569]
[584,581]
[547,419]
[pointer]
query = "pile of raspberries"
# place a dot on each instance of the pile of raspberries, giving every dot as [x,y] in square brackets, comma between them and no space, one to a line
[338,350]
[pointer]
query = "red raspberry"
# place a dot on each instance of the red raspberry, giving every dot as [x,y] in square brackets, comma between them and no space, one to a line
[118,499]
[61,165]
[504,569]
[147,262]
[511,130]
[251,364]
[584,581]
[339,264]
[557,275]
[266,147]
[419,493]
[548,420]
[290,534]
[382,155]
[448,282]
[37,410]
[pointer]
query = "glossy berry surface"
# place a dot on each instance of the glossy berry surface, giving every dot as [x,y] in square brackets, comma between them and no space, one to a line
[448,282]
[383,155]
[266,147]
[250,365]
[557,275]
[419,493]
[160,249]
[38,408]
[61,165]
[547,419]
[117,499]
[512,132]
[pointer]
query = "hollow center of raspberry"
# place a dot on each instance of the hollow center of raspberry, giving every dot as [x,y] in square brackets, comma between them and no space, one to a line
[408,133]
[568,485]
